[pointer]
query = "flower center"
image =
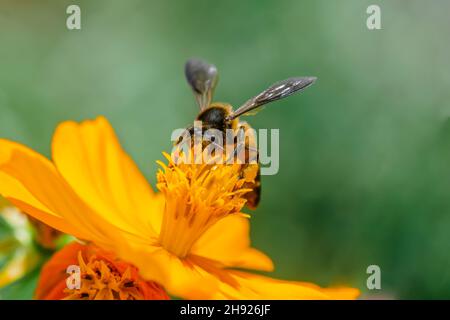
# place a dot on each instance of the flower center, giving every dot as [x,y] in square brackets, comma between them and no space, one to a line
[104,279]
[197,196]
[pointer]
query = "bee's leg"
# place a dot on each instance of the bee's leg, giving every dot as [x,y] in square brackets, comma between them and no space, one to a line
[237,149]
[253,154]
[216,145]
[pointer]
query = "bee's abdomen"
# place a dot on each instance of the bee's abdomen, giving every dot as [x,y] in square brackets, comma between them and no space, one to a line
[253,196]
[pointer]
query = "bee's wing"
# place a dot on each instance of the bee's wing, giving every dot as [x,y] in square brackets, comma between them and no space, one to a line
[202,77]
[275,92]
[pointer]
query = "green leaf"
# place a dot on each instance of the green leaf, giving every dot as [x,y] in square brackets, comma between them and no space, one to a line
[22,289]
[6,230]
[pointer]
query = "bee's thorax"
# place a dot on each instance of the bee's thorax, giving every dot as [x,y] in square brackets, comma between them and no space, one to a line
[215,116]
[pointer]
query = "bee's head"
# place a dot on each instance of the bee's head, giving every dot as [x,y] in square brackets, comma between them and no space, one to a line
[215,116]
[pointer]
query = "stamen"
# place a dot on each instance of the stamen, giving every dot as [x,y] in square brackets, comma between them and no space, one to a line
[197,196]
[102,279]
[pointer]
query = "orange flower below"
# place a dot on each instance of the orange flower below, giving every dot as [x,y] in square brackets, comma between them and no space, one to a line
[102,277]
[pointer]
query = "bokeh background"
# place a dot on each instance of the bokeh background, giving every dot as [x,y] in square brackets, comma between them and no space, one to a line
[365,153]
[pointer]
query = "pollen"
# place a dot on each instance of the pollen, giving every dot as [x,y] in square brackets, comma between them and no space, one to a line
[102,278]
[197,196]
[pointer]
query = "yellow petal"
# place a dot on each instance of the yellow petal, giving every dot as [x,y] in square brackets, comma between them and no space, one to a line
[21,198]
[32,183]
[242,285]
[89,156]
[199,278]
[183,278]
[228,241]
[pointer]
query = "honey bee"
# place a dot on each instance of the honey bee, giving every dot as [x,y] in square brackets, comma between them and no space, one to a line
[202,78]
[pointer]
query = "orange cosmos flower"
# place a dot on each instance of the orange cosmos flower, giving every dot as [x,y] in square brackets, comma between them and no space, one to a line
[190,237]
[102,277]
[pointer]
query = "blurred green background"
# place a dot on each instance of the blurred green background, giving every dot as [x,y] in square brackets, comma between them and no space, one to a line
[365,153]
